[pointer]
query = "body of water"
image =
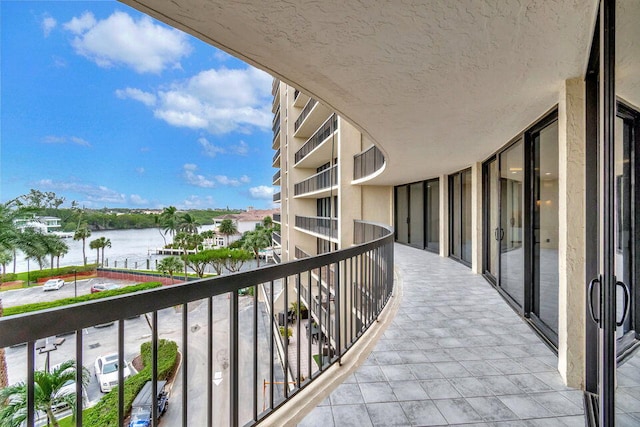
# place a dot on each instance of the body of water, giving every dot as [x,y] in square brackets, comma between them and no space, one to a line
[134,246]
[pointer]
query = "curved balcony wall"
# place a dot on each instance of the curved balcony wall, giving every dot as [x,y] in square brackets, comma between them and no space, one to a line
[324,180]
[248,322]
[316,140]
[367,163]
[320,225]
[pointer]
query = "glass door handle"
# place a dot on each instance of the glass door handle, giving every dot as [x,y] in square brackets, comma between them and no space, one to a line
[625,307]
[590,300]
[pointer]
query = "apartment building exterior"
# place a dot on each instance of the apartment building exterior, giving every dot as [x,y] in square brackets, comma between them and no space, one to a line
[509,137]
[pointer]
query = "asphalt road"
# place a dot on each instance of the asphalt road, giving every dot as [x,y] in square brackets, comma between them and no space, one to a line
[102,341]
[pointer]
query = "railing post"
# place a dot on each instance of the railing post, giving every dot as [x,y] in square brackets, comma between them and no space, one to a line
[233,332]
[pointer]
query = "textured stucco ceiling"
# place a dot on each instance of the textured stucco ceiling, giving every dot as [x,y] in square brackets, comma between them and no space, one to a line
[437,85]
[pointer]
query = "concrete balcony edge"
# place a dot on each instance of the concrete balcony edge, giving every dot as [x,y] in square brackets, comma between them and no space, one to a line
[299,406]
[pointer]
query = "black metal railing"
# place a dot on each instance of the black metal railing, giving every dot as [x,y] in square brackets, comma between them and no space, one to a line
[229,339]
[276,155]
[276,257]
[276,196]
[274,86]
[367,162]
[323,132]
[296,92]
[276,238]
[304,113]
[277,217]
[320,181]
[276,124]
[276,176]
[318,224]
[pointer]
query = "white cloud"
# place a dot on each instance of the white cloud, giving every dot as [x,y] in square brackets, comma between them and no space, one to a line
[218,101]
[140,170]
[94,193]
[48,24]
[146,98]
[234,182]
[140,44]
[194,202]
[261,192]
[211,150]
[137,200]
[53,139]
[193,178]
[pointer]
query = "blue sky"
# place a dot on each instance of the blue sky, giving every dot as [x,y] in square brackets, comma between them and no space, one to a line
[106,106]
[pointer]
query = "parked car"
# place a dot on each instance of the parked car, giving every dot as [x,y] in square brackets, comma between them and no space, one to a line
[142,405]
[53,285]
[106,368]
[100,287]
[59,401]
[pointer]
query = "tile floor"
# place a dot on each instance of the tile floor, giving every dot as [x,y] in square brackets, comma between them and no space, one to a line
[456,353]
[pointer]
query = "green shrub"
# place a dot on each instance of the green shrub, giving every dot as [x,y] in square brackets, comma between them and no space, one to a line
[62,271]
[9,277]
[26,308]
[105,413]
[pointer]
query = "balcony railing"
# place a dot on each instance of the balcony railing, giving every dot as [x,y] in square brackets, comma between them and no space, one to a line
[276,196]
[224,338]
[276,176]
[301,254]
[276,257]
[316,139]
[276,155]
[304,113]
[276,238]
[318,224]
[274,86]
[276,217]
[367,162]
[276,124]
[320,181]
[296,92]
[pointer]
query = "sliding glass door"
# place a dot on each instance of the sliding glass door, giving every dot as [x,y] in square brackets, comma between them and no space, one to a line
[417,210]
[460,216]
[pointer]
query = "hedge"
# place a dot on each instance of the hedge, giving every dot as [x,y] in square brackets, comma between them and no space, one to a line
[8,277]
[105,412]
[62,271]
[19,309]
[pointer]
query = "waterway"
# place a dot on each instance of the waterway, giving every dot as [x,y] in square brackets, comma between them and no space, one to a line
[134,247]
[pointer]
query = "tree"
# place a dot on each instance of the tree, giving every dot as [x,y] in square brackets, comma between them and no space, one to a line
[227,228]
[98,244]
[219,259]
[236,259]
[82,233]
[5,258]
[170,265]
[34,246]
[57,248]
[169,220]
[199,261]
[256,240]
[95,244]
[40,200]
[104,243]
[188,224]
[48,386]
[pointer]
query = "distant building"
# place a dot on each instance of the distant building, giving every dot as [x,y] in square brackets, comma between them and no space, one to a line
[244,221]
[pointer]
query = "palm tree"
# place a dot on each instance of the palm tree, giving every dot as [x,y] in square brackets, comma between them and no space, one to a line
[188,224]
[104,243]
[227,228]
[5,258]
[170,265]
[95,244]
[256,240]
[33,245]
[57,248]
[169,220]
[48,386]
[82,233]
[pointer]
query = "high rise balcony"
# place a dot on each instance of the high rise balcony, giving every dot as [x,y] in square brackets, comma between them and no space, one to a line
[315,151]
[318,184]
[276,159]
[367,163]
[319,225]
[276,178]
[230,345]
[276,218]
[276,196]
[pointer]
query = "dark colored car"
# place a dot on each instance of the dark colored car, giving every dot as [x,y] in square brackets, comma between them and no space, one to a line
[142,404]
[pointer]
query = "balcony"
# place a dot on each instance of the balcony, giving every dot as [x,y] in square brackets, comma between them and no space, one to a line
[311,117]
[318,185]
[276,196]
[275,144]
[277,218]
[276,238]
[276,159]
[276,257]
[276,177]
[275,85]
[314,153]
[367,163]
[301,254]
[233,364]
[299,99]
[318,225]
